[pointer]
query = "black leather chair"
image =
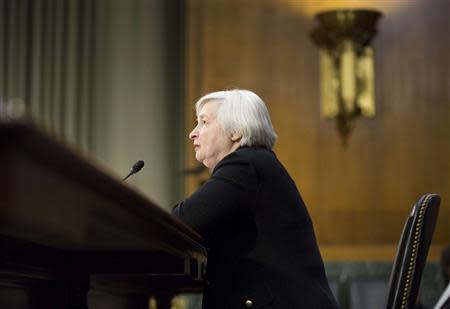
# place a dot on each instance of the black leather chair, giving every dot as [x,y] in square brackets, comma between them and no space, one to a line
[412,253]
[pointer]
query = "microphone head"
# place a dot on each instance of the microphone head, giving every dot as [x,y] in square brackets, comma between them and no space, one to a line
[137,166]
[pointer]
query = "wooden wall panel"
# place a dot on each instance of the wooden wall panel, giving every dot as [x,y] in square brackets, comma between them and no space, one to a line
[359,194]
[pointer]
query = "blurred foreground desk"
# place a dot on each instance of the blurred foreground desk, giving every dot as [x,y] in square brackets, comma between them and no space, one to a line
[71,236]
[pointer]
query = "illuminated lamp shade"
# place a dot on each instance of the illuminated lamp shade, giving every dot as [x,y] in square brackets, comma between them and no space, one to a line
[346,65]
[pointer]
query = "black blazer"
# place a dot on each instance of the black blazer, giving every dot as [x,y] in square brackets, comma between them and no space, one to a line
[262,251]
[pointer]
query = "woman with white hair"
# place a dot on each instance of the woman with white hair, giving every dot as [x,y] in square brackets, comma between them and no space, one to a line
[262,251]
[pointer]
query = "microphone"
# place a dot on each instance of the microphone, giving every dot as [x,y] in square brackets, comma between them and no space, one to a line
[136,168]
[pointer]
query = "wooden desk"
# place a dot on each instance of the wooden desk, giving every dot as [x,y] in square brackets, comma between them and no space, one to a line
[66,227]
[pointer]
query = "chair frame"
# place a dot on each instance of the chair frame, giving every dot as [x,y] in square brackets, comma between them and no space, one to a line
[412,252]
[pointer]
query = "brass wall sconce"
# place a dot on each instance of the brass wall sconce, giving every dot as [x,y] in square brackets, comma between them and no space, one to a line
[346,65]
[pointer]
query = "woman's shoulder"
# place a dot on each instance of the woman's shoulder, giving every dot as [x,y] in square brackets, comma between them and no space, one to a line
[256,154]
[254,151]
[234,159]
[245,161]
[245,155]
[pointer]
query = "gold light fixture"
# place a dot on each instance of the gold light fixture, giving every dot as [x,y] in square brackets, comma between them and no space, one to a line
[346,65]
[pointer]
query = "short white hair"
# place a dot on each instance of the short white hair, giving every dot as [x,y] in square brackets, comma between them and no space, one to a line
[243,112]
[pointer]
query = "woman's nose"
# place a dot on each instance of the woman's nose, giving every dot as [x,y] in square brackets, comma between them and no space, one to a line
[193,134]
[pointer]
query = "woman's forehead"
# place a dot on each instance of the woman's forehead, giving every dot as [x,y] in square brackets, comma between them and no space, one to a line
[208,109]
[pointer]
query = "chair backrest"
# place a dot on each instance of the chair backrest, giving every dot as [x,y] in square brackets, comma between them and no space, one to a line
[412,253]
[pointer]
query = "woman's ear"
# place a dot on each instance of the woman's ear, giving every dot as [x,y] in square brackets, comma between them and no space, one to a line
[236,137]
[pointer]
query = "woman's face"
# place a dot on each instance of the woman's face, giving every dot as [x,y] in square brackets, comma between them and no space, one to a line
[211,143]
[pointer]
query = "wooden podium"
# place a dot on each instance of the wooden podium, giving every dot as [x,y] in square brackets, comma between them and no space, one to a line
[71,236]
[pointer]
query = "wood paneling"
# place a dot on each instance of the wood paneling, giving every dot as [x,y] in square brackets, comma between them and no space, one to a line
[358,195]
